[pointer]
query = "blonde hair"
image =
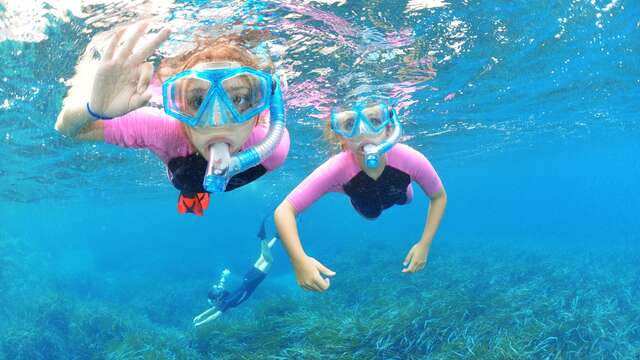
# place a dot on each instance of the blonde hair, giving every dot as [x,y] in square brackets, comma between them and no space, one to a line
[334,140]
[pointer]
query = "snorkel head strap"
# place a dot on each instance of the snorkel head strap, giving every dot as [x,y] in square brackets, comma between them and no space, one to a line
[218,175]
[372,152]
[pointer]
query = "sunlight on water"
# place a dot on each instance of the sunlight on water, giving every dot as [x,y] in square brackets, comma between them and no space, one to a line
[528,111]
[455,71]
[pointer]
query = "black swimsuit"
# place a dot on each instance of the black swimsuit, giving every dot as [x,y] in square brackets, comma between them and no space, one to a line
[250,282]
[187,174]
[370,197]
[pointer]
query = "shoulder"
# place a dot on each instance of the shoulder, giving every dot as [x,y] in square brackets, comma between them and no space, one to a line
[333,171]
[400,153]
[340,162]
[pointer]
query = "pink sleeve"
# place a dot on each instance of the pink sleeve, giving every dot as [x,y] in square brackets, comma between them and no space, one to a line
[147,128]
[329,176]
[279,155]
[415,164]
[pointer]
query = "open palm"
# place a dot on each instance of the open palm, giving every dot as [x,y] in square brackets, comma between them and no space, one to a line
[121,83]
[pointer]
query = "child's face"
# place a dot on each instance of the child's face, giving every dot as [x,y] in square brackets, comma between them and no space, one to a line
[347,120]
[233,134]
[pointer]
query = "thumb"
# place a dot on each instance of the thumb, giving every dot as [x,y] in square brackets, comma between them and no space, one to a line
[325,270]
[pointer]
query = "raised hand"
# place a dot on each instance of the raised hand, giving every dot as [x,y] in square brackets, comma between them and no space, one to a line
[121,83]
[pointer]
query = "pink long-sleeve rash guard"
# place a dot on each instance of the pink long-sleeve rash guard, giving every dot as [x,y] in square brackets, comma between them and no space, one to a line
[369,197]
[149,127]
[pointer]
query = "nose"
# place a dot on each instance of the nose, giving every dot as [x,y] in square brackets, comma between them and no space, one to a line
[213,113]
[362,128]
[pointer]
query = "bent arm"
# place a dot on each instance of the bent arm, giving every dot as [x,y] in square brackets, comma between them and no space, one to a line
[434,216]
[421,170]
[74,120]
[285,219]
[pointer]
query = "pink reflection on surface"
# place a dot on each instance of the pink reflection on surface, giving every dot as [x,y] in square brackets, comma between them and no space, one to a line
[336,23]
[404,37]
[310,93]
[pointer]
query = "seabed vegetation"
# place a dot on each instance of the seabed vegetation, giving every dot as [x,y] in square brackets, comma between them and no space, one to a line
[477,301]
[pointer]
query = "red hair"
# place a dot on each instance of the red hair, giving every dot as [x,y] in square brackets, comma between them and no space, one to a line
[223,48]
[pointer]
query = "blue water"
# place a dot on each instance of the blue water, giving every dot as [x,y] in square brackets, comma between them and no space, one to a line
[529,113]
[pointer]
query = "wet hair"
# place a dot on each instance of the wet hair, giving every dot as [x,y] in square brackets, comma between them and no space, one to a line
[233,47]
[207,50]
[331,137]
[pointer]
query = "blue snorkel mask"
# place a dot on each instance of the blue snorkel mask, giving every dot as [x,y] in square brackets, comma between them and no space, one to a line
[224,96]
[368,120]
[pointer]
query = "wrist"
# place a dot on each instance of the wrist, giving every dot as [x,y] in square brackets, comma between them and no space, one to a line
[299,260]
[425,241]
[94,114]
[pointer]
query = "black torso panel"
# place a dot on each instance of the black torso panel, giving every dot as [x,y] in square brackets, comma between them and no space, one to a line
[188,174]
[370,197]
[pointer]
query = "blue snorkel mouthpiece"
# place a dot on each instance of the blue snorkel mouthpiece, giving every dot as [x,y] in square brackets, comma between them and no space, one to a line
[371,156]
[221,167]
[217,168]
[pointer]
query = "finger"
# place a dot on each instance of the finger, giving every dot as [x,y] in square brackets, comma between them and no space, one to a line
[417,266]
[323,269]
[132,40]
[148,48]
[305,286]
[321,284]
[311,286]
[410,267]
[111,48]
[408,258]
[142,100]
[146,73]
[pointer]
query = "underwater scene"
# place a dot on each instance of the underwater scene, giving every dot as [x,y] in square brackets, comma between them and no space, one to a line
[528,111]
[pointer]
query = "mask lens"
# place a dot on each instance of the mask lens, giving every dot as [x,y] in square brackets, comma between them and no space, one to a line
[246,93]
[346,121]
[377,117]
[187,95]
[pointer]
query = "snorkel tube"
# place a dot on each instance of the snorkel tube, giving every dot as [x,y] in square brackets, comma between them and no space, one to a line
[372,152]
[219,172]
